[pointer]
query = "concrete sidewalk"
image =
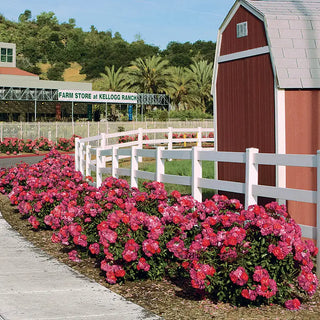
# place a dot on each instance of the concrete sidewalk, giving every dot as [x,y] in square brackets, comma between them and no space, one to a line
[35,286]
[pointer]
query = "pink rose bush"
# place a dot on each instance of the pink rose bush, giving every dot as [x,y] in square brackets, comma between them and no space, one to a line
[128,138]
[15,145]
[245,257]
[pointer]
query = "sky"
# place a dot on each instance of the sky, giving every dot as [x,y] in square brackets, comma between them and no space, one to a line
[157,22]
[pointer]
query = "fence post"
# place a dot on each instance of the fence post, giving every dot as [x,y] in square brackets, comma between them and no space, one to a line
[140,141]
[115,162]
[76,154]
[170,138]
[99,165]
[21,131]
[196,174]
[103,145]
[107,132]
[251,176]
[199,133]
[134,167]
[318,213]
[159,163]
[88,160]
[81,157]
[88,129]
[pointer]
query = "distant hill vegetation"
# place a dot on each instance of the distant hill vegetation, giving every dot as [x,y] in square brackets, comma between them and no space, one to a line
[63,51]
[56,50]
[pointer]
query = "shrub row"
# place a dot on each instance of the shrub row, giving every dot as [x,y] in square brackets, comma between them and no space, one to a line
[245,257]
[16,145]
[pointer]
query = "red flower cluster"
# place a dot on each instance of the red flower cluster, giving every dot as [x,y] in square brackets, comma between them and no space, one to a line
[73,255]
[308,281]
[293,304]
[239,276]
[199,272]
[34,222]
[266,288]
[112,272]
[94,248]
[143,265]
[130,252]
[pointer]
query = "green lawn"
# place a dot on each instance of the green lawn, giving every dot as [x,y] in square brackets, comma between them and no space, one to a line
[181,168]
[174,167]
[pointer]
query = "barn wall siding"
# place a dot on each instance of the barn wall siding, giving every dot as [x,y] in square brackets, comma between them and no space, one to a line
[245,113]
[256,33]
[302,137]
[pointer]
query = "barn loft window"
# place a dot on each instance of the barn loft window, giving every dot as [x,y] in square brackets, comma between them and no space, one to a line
[242,29]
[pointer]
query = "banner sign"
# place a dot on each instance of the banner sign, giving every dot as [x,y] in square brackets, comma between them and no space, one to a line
[97,96]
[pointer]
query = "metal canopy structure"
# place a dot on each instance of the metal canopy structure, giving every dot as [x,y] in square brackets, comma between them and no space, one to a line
[41,94]
[28,94]
[153,99]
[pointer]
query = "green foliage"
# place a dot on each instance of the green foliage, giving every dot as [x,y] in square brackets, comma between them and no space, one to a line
[149,75]
[56,71]
[189,114]
[183,54]
[111,80]
[200,74]
[158,115]
[25,16]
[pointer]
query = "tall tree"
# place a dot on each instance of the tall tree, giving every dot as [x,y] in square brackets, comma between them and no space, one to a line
[111,80]
[178,54]
[205,50]
[26,16]
[149,75]
[200,74]
[181,90]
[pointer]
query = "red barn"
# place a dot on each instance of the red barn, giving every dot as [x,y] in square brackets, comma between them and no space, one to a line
[266,90]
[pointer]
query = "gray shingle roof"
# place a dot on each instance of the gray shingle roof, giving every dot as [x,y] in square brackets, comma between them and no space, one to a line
[293,31]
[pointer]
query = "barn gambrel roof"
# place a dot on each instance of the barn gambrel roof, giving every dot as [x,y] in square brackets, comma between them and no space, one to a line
[293,34]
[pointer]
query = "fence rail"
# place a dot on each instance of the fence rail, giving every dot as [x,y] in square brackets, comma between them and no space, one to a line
[251,158]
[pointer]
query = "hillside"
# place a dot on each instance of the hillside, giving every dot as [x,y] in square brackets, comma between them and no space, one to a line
[70,74]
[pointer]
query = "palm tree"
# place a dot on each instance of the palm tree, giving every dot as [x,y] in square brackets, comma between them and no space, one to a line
[149,75]
[111,80]
[180,92]
[200,75]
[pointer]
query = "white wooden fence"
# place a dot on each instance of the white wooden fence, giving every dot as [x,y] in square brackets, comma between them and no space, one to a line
[251,158]
[55,130]
[85,148]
